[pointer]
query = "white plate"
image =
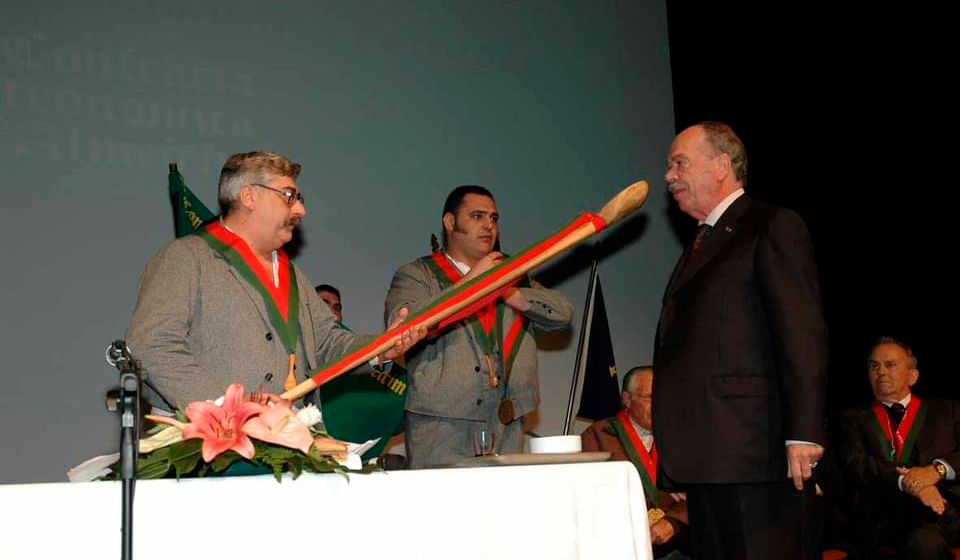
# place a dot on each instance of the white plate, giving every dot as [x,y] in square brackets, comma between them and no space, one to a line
[533,459]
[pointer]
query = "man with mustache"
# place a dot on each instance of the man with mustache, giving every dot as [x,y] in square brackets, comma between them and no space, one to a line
[741,361]
[482,371]
[227,305]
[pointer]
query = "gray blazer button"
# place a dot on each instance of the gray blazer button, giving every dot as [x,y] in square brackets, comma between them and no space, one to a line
[476,369]
[269,336]
[479,402]
[268,377]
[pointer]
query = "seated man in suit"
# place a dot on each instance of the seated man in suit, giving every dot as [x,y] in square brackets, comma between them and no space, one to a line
[902,453]
[629,437]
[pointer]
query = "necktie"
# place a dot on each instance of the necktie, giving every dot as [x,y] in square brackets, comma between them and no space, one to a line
[895,412]
[702,233]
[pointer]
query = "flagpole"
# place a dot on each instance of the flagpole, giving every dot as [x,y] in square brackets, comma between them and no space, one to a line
[588,309]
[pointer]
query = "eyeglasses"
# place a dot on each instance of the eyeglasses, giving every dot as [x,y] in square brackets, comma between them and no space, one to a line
[293,196]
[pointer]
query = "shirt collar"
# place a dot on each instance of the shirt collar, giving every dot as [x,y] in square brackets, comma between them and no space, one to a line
[719,209]
[646,436]
[904,401]
[462,267]
[273,256]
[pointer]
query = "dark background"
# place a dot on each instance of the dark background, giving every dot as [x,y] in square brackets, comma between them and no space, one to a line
[833,108]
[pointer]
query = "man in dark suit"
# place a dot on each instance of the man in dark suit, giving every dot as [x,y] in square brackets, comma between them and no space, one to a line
[741,361]
[902,453]
[628,436]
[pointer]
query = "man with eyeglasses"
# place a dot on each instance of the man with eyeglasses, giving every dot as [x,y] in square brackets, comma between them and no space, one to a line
[628,436]
[227,305]
[480,373]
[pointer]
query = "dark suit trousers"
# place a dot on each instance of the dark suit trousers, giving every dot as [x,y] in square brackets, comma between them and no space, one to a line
[761,521]
[920,534]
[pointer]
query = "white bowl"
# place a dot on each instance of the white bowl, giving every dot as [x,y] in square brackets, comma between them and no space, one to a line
[555,444]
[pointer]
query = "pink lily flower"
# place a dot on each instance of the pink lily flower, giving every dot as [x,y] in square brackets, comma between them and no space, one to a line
[220,427]
[279,424]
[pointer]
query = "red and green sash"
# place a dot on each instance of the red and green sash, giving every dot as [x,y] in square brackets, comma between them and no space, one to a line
[898,444]
[487,322]
[645,462]
[283,302]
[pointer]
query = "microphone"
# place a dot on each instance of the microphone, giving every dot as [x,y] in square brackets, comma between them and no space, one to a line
[118,354]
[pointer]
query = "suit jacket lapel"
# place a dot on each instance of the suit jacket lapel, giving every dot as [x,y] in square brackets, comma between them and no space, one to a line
[306,330]
[724,230]
[924,442]
[251,292]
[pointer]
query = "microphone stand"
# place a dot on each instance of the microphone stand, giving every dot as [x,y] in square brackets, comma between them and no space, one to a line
[128,405]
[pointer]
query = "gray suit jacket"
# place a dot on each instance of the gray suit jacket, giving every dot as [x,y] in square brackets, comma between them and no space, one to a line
[199,326]
[448,376]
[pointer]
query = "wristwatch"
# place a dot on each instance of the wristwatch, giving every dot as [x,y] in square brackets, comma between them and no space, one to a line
[941,469]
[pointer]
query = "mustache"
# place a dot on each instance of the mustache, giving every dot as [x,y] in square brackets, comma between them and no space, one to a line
[292,222]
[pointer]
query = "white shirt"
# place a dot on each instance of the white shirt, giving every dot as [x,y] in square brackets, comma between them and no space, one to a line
[714,216]
[646,436]
[462,267]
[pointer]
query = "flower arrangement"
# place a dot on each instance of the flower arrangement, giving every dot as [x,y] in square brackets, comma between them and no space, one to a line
[211,438]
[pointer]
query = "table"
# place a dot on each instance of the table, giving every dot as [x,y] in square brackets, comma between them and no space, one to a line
[579,511]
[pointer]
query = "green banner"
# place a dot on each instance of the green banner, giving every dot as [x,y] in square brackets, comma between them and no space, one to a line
[189,214]
[362,406]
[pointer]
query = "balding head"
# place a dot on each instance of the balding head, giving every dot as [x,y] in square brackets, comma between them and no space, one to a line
[637,395]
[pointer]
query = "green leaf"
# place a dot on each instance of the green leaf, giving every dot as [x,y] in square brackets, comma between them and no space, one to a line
[223,461]
[157,428]
[185,458]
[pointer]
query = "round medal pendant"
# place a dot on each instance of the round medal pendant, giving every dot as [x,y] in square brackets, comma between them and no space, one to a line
[654,515]
[505,411]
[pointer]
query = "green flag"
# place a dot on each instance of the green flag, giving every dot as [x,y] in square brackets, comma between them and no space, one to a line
[362,406]
[189,213]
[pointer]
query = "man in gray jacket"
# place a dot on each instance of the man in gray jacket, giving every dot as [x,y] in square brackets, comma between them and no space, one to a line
[480,372]
[227,305]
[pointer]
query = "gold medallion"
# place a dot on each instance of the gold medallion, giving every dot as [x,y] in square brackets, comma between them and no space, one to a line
[654,515]
[505,411]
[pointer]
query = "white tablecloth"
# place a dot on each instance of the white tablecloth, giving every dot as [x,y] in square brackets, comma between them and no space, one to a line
[579,511]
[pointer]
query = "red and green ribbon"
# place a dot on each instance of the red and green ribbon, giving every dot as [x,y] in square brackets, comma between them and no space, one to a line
[457,296]
[644,461]
[898,444]
[487,322]
[282,302]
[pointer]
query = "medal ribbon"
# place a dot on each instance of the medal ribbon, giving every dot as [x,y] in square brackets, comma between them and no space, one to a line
[645,462]
[282,302]
[487,321]
[898,444]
